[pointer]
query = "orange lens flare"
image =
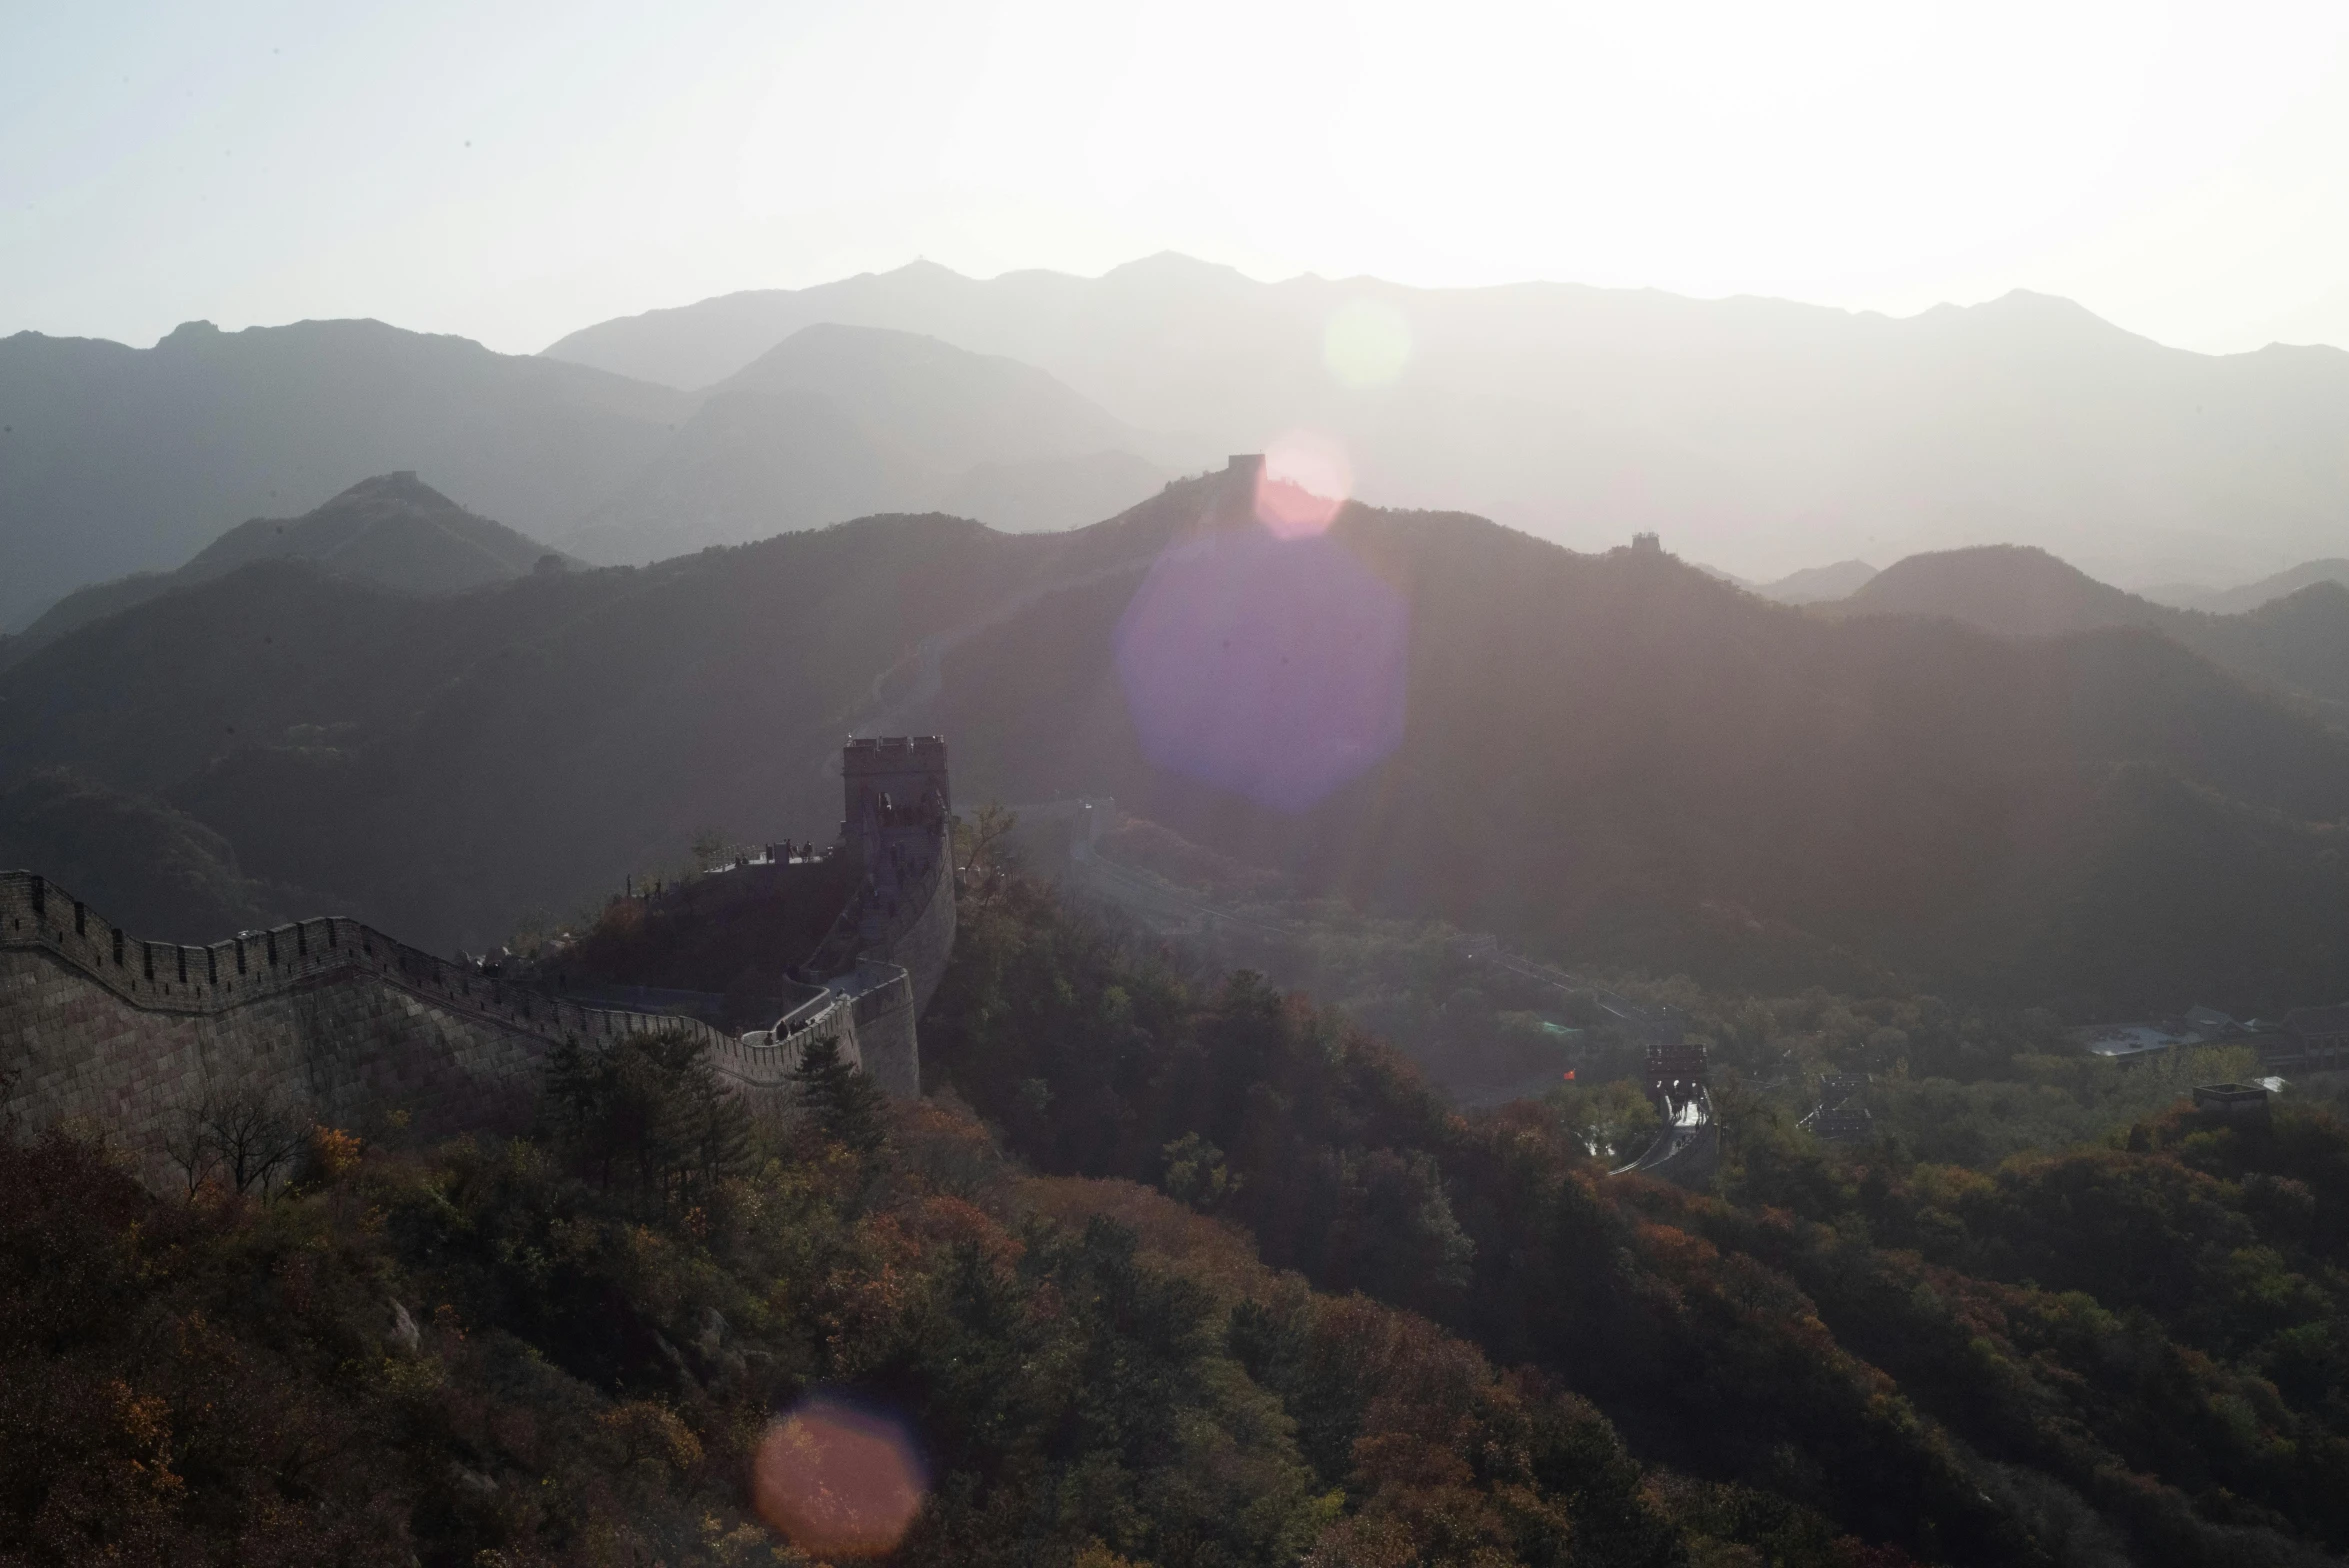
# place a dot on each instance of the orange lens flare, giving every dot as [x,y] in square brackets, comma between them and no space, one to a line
[838,1479]
[1303,485]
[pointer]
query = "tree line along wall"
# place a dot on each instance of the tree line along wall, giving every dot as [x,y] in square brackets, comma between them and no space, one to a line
[126,1036]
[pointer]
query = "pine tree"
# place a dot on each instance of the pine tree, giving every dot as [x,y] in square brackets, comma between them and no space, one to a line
[842,1101]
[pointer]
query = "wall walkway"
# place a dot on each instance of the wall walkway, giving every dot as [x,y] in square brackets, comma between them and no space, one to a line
[107,1030]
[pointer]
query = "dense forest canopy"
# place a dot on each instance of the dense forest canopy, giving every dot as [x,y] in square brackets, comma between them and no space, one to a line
[1177,1270]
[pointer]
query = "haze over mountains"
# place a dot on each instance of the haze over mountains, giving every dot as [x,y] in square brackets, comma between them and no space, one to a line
[1965,770]
[116,460]
[392,530]
[1759,435]
[1611,757]
[2250,596]
[2297,645]
[837,422]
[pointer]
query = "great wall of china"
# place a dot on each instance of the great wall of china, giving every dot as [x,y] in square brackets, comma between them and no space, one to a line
[106,1031]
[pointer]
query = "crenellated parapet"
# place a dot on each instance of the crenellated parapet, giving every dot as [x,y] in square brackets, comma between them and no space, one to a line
[897,827]
[104,1029]
[107,1029]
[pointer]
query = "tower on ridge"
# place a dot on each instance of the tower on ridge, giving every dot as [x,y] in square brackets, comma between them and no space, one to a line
[897,803]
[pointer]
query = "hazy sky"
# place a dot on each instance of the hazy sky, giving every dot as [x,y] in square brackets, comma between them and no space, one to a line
[511,172]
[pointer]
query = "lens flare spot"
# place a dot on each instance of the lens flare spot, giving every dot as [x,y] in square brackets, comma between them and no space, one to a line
[1303,485]
[1366,344]
[1271,668]
[838,1479]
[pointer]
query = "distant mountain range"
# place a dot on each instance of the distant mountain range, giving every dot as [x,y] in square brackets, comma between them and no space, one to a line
[392,530]
[116,461]
[837,422]
[1757,434]
[2017,590]
[2250,596]
[2298,644]
[1610,758]
[1810,585]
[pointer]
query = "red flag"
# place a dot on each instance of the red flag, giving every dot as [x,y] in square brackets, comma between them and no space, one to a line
[1569,1075]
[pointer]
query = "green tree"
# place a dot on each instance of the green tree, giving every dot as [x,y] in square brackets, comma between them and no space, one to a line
[841,1099]
[647,1109]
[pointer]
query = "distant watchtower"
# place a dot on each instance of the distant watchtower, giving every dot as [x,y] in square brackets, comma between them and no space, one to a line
[1647,544]
[1676,1075]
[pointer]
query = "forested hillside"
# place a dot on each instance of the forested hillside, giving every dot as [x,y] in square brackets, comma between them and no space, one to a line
[576,1349]
[2120,1352]
[1614,759]
[392,530]
[1215,1281]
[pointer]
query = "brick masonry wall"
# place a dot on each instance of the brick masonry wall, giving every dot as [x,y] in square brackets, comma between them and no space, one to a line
[883,1018]
[100,1029]
[925,942]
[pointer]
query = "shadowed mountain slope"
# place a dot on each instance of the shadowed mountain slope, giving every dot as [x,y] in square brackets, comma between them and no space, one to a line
[160,872]
[2298,644]
[1612,757]
[2250,596]
[839,421]
[929,402]
[1050,493]
[1816,584]
[393,530]
[2018,590]
[119,460]
[1758,434]
[446,765]
[116,461]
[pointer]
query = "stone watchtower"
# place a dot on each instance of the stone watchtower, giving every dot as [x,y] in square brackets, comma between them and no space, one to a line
[898,836]
[887,951]
[898,803]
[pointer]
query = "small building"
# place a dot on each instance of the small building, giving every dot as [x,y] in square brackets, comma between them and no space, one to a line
[2312,1039]
[2126,1043]
[1838,1117]
[2209,1025]
[2231,1102]
[1647,544]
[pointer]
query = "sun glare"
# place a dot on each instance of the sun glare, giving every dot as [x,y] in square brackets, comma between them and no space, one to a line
[1270,667]
[1366,345]
[839,1480]
[1303,485]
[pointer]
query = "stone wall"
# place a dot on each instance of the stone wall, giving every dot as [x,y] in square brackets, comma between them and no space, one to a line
[899,832]
[345,1024]
[882,1019]
[925,941]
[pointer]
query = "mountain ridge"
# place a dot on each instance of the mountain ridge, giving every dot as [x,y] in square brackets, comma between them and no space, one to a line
[1609,758]
[2250,596]
[116,461]
[392,530]
[2298,643]
[840,421]
[1758,434]
[120,460]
